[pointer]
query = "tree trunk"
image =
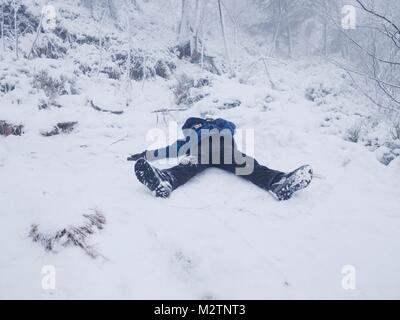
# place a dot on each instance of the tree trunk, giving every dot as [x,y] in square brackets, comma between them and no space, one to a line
[277,30]
[202,47]
[288,28]
[325,29]
[16,29]
[3,45]
[194,39]
[184,25]
[235,38]
[37,36]
[227,50]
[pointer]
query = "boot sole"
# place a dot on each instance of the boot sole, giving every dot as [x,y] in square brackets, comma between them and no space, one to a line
[148,177]
[301,179]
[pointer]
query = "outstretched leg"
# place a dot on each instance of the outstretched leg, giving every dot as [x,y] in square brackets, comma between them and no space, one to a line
[260,175]
[163,182]
[281,185]
[183,172]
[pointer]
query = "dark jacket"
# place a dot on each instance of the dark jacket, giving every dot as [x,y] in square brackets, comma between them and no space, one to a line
[195,130]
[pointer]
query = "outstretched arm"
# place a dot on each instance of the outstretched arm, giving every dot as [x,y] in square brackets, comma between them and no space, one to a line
[171,151]
[137,156]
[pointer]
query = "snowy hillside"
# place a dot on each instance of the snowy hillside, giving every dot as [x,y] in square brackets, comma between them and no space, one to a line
[218,237]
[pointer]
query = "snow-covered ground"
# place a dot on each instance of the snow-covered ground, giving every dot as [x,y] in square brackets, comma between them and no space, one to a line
[217,237]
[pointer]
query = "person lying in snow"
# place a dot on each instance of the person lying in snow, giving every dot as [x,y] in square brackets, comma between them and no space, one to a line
[209,143]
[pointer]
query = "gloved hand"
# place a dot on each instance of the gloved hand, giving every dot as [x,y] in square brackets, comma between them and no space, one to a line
[137,156]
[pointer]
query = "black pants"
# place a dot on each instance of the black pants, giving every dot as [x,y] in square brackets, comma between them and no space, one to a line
[258,174]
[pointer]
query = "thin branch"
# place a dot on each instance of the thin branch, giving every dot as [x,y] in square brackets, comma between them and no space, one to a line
[349,72]
[37,35]
[368,96]
[379,16]
[346,68]
[369,53]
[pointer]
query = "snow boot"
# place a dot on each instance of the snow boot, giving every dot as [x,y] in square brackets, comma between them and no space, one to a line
[156,180]
[291,182]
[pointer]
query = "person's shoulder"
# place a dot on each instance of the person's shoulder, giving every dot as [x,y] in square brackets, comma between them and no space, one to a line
[192,121]
[225,122]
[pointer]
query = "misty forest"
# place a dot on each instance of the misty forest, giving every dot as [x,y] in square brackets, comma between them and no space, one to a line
[84,83]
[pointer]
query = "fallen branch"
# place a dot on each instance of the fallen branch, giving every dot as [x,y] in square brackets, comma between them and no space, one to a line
[121,139]
[165,110]
[104,110]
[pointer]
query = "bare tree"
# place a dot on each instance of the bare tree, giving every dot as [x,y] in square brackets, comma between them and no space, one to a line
[226,44]
[184,33]
[285,6]
[15,5]
[234,17]
[379,53]
[3,44]
[37,35]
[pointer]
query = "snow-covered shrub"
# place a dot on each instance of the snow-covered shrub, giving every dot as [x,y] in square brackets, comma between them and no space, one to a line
[6,86]
[318,94]
[81,39]
[62,127]
[396,152]
[46,104]
[56,43]
[230,104]
[143,65]
[385,155]
[71,236]
[395,130]
[26,21]
[209,63]
[164,69]
[329,120]
[183,50]
[53,85]
[353,133]
[187,90]
[8,79]
[85,68]
[112,70]
[49,46]
[182,87]
[376,134]
[7,129]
